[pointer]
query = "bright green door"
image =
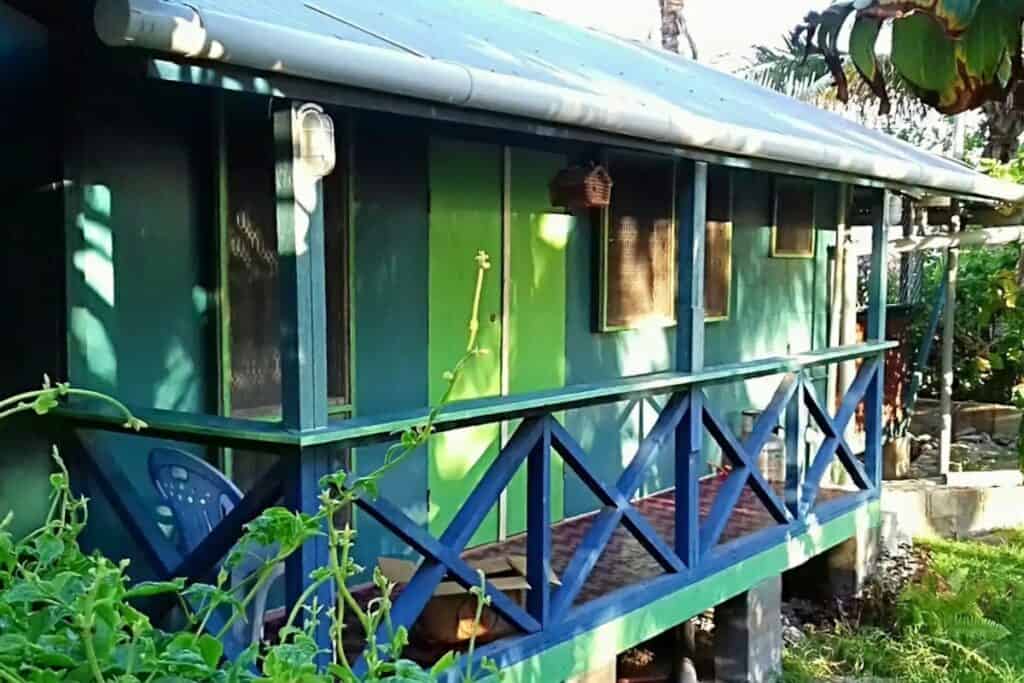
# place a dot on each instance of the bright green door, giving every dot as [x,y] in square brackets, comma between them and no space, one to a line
[465,217]
[467,182]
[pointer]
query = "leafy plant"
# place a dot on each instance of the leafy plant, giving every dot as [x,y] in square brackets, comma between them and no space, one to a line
[962,621]
[70,616]
[954,55]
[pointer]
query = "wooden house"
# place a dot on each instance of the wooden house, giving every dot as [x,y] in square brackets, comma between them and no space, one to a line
[256,223]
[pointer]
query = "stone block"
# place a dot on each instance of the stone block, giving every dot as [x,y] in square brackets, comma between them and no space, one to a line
[748,635]
[850,563]
[997,478]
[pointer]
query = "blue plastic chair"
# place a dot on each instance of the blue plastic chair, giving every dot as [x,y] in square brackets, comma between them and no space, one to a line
[197,497]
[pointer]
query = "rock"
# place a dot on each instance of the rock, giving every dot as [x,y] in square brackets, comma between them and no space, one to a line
[791,635]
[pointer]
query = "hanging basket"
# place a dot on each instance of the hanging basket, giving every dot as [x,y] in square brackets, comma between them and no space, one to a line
[580,187]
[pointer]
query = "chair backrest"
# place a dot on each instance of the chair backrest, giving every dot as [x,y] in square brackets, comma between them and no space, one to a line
[198,495]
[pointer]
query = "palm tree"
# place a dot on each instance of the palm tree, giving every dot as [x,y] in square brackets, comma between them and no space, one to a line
[673,25]
[1004,125]
[805,75]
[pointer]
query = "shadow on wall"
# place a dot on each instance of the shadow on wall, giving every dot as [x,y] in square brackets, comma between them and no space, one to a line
[138,242]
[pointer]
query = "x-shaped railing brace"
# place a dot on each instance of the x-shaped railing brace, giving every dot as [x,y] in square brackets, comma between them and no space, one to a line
[835,430]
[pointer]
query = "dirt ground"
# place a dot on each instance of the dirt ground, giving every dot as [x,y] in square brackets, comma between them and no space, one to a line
[974,449]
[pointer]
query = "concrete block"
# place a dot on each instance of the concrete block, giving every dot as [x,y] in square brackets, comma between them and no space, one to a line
[997,478]
[850,564]
[748,635]
[947,502]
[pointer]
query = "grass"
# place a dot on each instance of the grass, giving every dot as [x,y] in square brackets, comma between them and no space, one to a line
[961,622]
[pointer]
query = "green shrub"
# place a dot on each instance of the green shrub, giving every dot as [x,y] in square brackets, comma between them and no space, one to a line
[962,622]
[70,616]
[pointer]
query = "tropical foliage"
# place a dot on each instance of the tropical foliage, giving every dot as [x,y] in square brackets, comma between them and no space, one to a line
[962,621]
[791,71]
[955,55]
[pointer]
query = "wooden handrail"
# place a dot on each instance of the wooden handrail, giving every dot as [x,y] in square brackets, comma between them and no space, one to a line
[272,437]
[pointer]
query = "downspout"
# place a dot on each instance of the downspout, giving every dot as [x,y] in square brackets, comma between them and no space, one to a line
[948,334]
[175,28]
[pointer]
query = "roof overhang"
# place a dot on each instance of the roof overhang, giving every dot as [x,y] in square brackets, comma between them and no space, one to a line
[178,29]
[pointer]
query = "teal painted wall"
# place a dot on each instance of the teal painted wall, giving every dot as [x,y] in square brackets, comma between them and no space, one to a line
[139,261]
[390,250]
[29,260]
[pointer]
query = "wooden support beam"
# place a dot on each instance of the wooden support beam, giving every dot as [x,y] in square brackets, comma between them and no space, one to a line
[303,345]
[837,281]
[538,529]
[689,436]
[948,336]
[796,453]
[877,303]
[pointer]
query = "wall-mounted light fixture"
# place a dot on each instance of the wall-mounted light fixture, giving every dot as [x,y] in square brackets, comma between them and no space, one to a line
[316,140]
[894,208]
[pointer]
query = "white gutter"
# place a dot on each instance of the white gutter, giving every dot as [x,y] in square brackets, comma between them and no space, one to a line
[176,28]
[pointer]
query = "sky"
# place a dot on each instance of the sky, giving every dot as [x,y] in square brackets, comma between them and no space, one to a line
[724,29]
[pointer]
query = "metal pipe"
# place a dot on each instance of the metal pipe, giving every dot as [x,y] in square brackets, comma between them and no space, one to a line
[178,29]
[948,333]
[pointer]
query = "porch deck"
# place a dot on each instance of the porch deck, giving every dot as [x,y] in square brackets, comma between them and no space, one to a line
[625,562]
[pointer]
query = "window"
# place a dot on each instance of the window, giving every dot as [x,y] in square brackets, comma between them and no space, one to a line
[718,245]
[638,254]
[250,325]
[252,363]
[793,231]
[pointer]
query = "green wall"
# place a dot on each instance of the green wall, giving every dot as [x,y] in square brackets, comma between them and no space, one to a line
[465,218]
[140,238]
[390,304]
[30,269]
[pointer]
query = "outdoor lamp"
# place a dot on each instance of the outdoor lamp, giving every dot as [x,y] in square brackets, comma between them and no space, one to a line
[316,140]
[894,209]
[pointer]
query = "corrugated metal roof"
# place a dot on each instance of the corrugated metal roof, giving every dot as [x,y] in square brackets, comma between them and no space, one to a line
[728,114]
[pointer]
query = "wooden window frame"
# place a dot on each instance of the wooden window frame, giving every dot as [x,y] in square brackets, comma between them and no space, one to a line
[605,221]
[810,187]
[728,228]
[336,408]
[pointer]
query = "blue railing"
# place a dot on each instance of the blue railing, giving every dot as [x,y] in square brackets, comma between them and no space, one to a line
[551,613]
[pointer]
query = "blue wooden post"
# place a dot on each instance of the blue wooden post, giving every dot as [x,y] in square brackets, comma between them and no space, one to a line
[877,302]
[303,311]
[538,529]
[796,450]
[692,212]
